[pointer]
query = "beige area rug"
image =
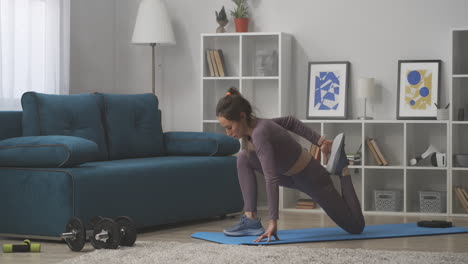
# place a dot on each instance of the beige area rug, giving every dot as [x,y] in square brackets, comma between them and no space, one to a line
[202,253]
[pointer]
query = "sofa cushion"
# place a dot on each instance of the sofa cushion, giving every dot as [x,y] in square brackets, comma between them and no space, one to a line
[69,115]
[199,144]
[133,125]
[46,151]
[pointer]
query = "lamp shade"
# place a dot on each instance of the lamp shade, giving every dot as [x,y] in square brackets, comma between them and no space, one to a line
[152,24]
[366,87]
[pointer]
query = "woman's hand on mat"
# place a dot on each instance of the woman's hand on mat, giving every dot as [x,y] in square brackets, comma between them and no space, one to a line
[271,231]
[326,149]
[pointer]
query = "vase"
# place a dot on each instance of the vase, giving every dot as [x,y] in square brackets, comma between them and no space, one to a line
[242,24]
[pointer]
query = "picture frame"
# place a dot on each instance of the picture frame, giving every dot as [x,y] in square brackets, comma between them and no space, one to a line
[418,89]
[327,90]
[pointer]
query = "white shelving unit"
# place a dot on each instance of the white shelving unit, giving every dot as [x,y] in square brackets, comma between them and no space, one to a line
[400,140]
[267,93]
[459,128]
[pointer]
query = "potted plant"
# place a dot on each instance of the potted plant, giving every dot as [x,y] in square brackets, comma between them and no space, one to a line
[240,14]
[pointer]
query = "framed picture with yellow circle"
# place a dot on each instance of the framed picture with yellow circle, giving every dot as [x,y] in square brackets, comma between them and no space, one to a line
[418,89]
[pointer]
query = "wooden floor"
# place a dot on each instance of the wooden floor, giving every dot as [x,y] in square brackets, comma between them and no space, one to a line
[53,252]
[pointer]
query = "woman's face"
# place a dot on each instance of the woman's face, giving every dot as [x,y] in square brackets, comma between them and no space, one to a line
[236,129]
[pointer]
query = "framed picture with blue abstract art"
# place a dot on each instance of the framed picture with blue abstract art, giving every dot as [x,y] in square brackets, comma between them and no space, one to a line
[418,89]
[327,90]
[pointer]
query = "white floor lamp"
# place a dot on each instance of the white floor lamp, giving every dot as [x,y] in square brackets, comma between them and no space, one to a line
[153,27]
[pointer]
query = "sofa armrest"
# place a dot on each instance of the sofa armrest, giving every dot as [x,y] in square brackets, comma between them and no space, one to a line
[199,144]
[46,151]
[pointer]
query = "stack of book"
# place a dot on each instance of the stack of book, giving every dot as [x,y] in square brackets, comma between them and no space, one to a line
[376,152]
[354,159]
[305,204]
[215,62]
[462,196]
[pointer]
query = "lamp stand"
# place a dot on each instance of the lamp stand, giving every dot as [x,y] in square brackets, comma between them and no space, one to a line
[365,117]
[154,67]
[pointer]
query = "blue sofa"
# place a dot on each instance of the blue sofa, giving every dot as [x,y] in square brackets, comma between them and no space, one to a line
[106,155]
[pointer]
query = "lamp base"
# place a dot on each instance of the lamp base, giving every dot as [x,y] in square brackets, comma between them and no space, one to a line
[365,118]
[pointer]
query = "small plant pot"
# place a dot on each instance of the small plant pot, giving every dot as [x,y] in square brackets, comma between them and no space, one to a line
[242,24]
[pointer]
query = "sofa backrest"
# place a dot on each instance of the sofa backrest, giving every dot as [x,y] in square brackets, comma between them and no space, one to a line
[133,125]
[69,115]
[10,124]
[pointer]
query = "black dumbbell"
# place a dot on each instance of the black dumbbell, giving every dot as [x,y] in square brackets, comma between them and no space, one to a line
[103,233]
[126,227]
[128,231]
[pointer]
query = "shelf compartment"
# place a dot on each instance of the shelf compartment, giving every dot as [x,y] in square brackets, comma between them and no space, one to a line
[424,180]
[263,95]
[460,52]
[459,143]
[230,47]
[460,99]
[420,136]
[352,131]
[213,90]
[253,64]
[376,179]
[389,138]
[459,179]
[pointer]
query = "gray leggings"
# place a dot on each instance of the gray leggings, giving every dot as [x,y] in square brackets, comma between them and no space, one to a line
[314,181]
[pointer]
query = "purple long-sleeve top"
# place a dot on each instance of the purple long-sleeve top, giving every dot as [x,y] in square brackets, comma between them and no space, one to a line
[277,151]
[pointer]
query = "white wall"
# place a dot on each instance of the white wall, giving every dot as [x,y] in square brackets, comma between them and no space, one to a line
[372,34]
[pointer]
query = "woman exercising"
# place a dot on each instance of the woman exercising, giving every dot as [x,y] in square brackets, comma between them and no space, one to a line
[269,148]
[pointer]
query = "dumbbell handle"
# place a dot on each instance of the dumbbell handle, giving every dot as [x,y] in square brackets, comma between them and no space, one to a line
[21,248]
[68,235]
[101,236]
[72,235]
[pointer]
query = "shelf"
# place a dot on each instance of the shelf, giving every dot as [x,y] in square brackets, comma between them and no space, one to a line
[235,34]
[358,121]
[460,168]
[260,78]
[384,121]
[460,76]
[425,168]
[344,121]
[460,123]
[210,121]
[242,78]
[385,167]
[373,212]
[426,121]
[222,78]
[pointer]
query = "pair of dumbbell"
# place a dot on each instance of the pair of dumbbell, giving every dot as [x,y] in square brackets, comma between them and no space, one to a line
[101,232]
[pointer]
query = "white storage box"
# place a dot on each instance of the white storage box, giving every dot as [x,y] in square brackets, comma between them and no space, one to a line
[388,200]
[432,201]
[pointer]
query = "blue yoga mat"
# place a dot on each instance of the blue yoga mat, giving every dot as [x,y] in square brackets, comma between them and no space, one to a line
[332,234]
